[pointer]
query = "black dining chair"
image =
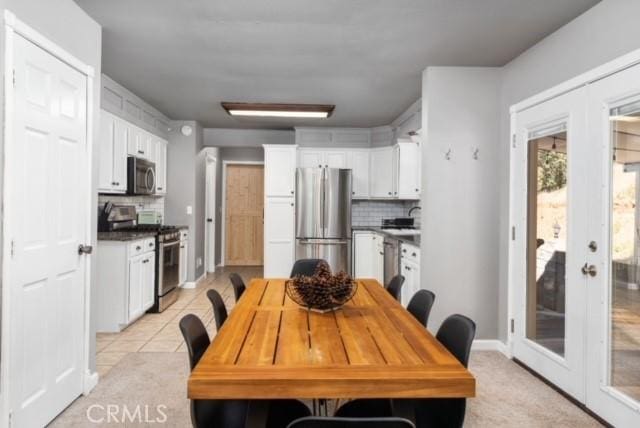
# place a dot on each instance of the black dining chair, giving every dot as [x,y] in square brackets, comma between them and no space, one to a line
[335,422]
[238,285]
[209,413]
[230,413]
[395,286]
[420,305]
[305,267]
[456,334]
[219,309]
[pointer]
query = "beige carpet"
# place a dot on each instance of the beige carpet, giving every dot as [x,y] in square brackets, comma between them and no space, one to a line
[508,396]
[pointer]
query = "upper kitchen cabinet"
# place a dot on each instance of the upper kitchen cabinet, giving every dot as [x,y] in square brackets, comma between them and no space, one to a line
[358,162]
[333,137]
[410,121]
[112,147]
[138,143]
[158,155]
[317,158]
[408,163]
[279,170]
[382,173]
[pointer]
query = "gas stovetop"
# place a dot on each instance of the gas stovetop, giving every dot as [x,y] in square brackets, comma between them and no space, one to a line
[160,228]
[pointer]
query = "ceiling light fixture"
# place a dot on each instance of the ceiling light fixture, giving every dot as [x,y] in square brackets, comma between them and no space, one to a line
[317,111]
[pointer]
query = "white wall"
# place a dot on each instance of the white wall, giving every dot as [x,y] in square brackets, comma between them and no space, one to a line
[73,30]
[606,31]
[459,216]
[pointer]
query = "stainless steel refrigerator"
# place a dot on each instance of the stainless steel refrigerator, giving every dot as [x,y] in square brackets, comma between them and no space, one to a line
[323,216]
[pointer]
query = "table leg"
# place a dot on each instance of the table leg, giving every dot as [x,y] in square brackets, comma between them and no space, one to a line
[257,414]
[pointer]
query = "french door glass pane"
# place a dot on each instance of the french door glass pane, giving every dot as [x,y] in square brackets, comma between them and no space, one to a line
[547,240]
[624,362]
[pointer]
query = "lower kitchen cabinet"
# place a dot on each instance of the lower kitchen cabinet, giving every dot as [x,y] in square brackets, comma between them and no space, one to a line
[368,255]
[184,256]
[410,269]
[279,237]
[126,282]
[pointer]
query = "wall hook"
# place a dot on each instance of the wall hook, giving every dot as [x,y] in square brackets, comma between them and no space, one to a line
[475,153]
[447,155]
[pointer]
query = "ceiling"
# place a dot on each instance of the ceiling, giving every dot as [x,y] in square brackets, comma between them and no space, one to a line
[364,56]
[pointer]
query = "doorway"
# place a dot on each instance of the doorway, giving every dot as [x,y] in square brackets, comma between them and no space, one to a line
[45,307]
[575,253]
[243,213]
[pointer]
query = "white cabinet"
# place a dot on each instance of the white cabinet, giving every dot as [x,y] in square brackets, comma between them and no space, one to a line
[318,158]
[112,148]
[410,269]
[359,164]
[408,167]
[381,173]
[279,237]
[279,170]
[184,256]
[158,155]
[368,255]
[126,282]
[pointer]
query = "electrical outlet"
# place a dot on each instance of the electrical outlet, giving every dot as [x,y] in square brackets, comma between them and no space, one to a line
[199,262]
[189,210]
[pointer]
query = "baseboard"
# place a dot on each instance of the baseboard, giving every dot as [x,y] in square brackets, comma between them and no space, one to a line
[490,345]
[90,382]
[193,284]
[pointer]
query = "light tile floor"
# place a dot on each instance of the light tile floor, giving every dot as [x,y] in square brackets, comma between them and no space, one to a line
[160,332]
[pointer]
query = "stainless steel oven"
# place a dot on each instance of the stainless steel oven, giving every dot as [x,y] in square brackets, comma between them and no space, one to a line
[141,176]
[391,258]
[168,269]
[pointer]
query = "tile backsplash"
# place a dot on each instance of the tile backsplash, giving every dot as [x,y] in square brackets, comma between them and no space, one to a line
[146,203]
[371,212]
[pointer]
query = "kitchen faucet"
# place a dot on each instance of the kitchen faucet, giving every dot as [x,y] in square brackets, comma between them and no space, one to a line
[414,208]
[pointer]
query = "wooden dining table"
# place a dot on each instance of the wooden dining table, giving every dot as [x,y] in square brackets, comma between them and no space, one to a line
[272,348]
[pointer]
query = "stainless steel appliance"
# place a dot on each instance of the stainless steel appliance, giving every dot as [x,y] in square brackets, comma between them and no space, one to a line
[141,176]
[112,217]
[168,269]
[391,258]
[323,216]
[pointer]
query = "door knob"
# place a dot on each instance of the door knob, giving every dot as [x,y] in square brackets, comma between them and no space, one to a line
[588,269]
[593,246]
[209,220]
[85,249]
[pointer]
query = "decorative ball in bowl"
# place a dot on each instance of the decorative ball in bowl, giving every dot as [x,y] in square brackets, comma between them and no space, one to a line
[322,292]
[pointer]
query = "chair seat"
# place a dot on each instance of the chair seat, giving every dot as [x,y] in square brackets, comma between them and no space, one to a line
[366,408]
[283,412]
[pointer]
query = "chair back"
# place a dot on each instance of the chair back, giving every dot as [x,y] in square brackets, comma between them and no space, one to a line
[420,305]
[195,336]
[456,334]
[329,422]
[305,267]
[395,286]
[219,310]
[238,285]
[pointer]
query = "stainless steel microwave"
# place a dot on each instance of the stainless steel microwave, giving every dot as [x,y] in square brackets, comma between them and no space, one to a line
[141,176]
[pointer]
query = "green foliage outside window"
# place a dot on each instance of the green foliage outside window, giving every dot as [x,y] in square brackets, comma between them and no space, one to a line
[552,170]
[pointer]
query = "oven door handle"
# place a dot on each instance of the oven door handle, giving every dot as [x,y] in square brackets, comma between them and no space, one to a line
[170,244]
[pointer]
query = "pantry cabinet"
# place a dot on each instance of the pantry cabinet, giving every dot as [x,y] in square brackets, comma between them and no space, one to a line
[279,170]
[112,149]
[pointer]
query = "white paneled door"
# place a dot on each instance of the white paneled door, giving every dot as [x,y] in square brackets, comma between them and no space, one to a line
[47,179]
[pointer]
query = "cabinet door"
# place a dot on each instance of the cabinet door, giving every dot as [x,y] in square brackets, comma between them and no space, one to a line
[134,140]
[161,167]
[362,252]
[121,135]
[184,254]
[395,169]
[146,146]
[381,174]
[136,279]
[408,170]
[335,159]
[106,181]
[279,239]
[377,255]
[360,173]
[148,280]
[280,171]
[310,158]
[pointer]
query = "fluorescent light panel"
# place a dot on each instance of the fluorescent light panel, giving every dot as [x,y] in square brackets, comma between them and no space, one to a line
[318,111]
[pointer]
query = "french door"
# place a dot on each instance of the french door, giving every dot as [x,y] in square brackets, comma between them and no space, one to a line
[576,258]
[550,200]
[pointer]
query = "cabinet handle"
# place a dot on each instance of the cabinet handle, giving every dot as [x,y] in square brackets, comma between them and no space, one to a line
[413,254]
[292,192]
[381,253]
[407,268]
[326,166]
[141,152]
[159,188]
[151,244]
[417,190]
[389,192]
[181,246]
[319,166]
[291,203]
[138,247]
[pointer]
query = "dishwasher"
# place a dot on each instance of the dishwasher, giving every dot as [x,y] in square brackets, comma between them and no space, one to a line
[391,258]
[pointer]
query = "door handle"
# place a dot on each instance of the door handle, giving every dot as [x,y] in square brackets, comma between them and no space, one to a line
[85,249]
[588,269]
[209,220]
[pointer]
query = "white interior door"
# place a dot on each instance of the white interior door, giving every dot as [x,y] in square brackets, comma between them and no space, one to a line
[549,213]
[211,214]
[613,339]
[46,205]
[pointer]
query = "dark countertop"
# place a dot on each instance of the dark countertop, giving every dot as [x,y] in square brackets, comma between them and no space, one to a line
[125,235]
[407,239]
